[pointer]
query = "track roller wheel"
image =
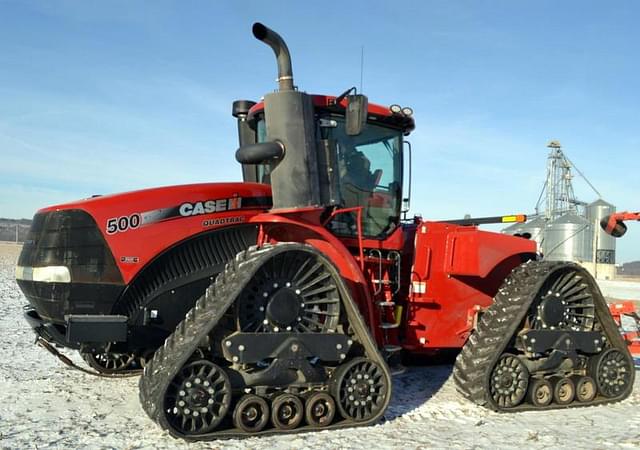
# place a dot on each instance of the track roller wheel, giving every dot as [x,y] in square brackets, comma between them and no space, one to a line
[360,389]
[286,412]
[540,392]
[509,381]
[320,409]
[586,389]
[199,398]
[613,372]
[251,414]
[564,390]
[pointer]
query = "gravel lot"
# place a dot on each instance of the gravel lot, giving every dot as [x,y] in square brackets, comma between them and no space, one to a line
[44,404]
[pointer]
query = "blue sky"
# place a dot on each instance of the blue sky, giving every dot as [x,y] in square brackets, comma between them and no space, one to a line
[119,95]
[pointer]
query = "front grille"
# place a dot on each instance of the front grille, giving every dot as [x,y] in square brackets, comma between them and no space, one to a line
[70,238]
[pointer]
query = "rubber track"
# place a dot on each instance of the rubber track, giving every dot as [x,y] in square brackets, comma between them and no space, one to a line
[501,321]
[203,317]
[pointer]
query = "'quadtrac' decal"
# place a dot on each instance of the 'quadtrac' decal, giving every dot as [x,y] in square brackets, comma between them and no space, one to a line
[222,221]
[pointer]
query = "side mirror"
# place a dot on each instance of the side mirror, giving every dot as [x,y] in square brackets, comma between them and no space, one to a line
[356,114]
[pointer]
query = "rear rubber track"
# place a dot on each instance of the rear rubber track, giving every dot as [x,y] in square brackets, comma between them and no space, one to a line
[503,319]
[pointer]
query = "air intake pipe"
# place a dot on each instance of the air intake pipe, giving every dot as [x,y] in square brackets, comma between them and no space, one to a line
[273,40]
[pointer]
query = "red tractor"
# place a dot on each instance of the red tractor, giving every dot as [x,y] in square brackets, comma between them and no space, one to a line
[614,225]
[278,304]
[624,312]
[626,317]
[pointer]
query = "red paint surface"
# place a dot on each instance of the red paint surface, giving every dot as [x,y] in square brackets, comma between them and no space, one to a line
[461,266]
[148,241]
[632,337]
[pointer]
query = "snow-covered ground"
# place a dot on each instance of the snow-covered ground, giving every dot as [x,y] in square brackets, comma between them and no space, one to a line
[44,404]
[619,289]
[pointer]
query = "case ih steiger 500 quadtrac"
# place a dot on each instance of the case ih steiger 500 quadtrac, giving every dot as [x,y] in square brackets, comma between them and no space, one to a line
[276,304]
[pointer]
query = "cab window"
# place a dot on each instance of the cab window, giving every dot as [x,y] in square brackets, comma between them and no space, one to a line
[370,167]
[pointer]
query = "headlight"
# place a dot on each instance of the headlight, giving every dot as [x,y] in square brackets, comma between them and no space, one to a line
[50,274]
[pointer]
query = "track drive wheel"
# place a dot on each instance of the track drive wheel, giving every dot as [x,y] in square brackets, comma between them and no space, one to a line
[360,388]
[613,372]
[540,392]
[320,409]
[251,414]
[566,302]
[564,390]
[286,412]
[295,291]
[509,381]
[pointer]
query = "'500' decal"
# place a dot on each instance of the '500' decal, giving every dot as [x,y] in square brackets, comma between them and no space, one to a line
[123,223]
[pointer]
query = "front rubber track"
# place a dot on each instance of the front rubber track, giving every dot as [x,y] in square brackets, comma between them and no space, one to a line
[503,319]
[207,312]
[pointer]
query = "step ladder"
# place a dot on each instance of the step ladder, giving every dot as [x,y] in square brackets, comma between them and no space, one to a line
[384,301]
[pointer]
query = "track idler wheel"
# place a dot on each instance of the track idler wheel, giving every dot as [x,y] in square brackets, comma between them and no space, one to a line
[586,389]
[111,362]
[540,392]
[613,372]
[251,414]
[286,412]
[509,381]
[320,409]
[564,391]
[199,398]
[360,389]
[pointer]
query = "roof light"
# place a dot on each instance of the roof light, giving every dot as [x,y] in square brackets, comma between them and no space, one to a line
[395,109]
[407,111]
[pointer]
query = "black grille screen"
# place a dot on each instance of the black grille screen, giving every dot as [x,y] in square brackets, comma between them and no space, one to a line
[194,259]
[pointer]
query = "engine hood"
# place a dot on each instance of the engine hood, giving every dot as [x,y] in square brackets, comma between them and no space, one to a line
[138,226]
[159,196]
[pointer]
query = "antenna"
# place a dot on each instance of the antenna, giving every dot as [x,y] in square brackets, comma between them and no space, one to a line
[361,66]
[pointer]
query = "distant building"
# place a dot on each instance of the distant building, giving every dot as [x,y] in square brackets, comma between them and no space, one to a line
[565,228]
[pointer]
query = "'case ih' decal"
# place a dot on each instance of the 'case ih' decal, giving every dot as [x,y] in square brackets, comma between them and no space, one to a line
[188,209]
[210,206]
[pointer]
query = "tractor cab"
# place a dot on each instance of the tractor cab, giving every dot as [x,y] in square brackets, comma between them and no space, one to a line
[359,166]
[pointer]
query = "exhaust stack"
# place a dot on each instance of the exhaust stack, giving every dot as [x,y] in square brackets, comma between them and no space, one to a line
[290,148]
[273,40]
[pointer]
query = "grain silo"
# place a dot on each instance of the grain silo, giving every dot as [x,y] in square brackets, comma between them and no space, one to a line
[605,244]
[565,228]
[568,238]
